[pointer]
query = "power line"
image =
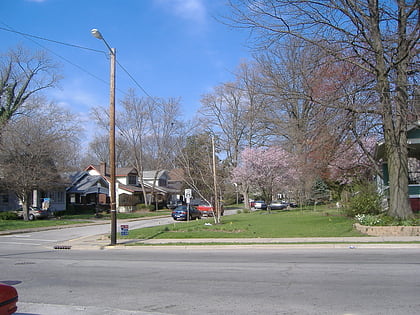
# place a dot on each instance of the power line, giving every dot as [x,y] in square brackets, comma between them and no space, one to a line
[47,39]
[30,36]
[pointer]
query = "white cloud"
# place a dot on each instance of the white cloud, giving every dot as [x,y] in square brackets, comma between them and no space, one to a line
[194,10]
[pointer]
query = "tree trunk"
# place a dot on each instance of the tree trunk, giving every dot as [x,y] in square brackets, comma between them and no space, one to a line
[399,206]
[24,200]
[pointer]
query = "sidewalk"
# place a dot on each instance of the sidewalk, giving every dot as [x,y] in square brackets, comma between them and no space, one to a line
[102,242]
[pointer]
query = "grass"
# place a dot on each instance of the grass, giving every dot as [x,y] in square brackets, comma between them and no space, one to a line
[258,224]
[7,225]
[104,216]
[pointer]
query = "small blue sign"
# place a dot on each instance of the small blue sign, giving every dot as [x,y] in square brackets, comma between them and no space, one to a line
[124,230]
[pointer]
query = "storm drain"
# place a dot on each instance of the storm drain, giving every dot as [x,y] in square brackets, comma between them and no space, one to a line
[62,247]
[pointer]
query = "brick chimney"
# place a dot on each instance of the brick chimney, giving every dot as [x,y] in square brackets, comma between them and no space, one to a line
[102,168]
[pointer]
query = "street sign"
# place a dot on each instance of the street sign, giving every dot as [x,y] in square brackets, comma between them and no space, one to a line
[188,195]
[124,230]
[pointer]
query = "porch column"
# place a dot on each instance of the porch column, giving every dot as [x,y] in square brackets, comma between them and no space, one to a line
[35,198]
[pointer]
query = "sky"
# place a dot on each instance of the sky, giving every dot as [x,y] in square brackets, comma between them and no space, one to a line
[172,48]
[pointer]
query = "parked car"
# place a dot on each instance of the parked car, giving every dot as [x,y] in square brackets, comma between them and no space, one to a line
[259,204]
[34,213]
[293,205]
[8,299]
[186,212]
[205,209]
[278,205]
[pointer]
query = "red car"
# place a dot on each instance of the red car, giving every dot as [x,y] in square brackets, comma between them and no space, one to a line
[8,299]
[206,210]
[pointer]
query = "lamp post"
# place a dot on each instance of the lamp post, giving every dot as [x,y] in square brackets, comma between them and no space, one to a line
[112,54]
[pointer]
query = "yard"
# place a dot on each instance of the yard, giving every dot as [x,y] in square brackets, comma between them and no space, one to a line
[258,224]
[72,219]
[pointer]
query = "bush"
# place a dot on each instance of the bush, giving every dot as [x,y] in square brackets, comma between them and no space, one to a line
[365,200]
[143,207]
[8,215]
[79,209]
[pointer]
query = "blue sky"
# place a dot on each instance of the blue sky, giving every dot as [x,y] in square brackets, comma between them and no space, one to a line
[173,48]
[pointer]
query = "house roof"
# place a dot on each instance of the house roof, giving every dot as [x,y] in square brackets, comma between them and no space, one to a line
[119,171]
[413,142]
[83,183]
[152,174]
[177,175]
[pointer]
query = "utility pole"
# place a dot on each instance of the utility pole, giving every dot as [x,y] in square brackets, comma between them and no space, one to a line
[216,198]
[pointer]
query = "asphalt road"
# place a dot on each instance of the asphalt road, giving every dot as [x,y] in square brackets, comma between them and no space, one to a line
[204,280]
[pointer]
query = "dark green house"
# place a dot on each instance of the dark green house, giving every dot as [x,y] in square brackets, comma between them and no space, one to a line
[413,140]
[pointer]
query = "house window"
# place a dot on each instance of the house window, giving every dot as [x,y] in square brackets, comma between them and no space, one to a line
[132,180]
[60,196]
[4,198]
[163,182]
[413,171]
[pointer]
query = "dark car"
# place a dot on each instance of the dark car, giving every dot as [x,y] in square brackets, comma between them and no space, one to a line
[8,299]
[34,213]
[277,205]
[186,213]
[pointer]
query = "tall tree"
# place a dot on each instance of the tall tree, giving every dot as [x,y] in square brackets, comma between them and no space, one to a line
[232,111]
[148,129]
[379,37]
[35,150]
[22,75]
[202,170]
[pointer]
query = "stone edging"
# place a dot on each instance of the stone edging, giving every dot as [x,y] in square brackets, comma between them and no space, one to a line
[388,230]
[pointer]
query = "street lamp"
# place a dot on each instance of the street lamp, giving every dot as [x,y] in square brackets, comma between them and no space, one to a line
[112,54]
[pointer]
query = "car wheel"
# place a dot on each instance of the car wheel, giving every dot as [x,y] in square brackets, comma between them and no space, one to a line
[31,217]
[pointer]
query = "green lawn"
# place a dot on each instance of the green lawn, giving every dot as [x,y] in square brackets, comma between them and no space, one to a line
[6,225]
[277,224]
[131,215]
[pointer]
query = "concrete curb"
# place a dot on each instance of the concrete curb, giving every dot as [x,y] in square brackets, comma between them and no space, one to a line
[102,242]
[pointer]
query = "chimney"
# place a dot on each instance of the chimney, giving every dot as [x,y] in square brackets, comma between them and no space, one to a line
[102,168]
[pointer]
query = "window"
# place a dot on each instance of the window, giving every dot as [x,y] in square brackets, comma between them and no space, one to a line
[4,198]
[163,182]
[60,196]
[132,179]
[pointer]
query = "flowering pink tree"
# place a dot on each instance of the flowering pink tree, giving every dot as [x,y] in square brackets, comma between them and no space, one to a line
[263,170]
[353,162]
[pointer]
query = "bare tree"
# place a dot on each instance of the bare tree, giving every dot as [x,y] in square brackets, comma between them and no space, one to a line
[22,75]
[379,37]
[147,130]
[35,150]
[98,151]
[202,169]
[233,111]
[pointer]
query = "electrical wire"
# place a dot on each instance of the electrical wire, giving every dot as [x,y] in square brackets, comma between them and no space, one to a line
[30,36]
[47,39]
